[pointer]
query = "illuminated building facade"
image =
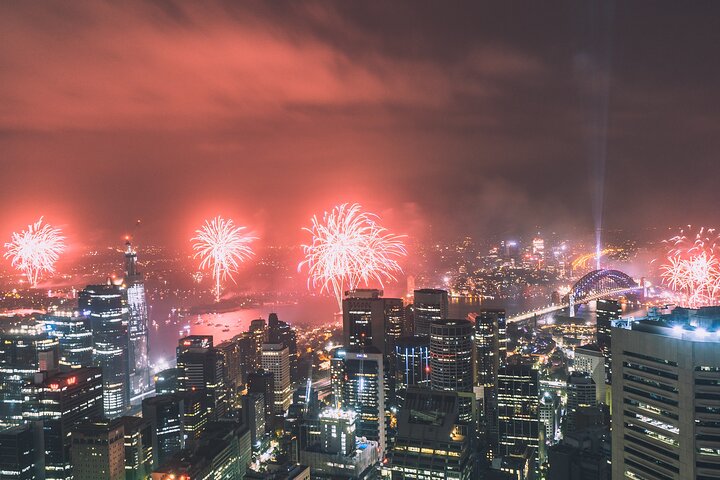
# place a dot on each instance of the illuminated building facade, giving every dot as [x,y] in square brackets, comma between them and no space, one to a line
[518,416]
[21,456]
[581,393]
[201,368]
[412,364]
[261,382]
[138,359]
[276,360]
[25,349]
[589,359]
[429,305]
[451,361]
[490,356]
[74,335]
[282,332]
[106,307]
[665,400]
[62,402]
[98,450]
[429,442]
[138,448]
[358,379]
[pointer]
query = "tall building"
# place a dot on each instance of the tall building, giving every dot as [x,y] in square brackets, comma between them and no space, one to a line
[230,350]
[138,358]
[62,402]
[167,381]
[589,359]
[262,382]
[490,356]
[138,448]
[429,305]
[258,333]
[665,400]
[605,312]
[451,362]
[412,364]
[201,367]
[581,393]
[518,416]
[548,410]
[369,319]
[25,350]
[276,360]
[74,335]
[429,442]
[21,456]
[359,382]
[282,332]
[331,449]
[106,307]
[98,450]
[253,414]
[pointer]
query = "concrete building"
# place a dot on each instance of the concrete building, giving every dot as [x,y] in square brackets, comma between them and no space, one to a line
[429,305]
[665,400]
[276,360]
[589,359]
[98,450]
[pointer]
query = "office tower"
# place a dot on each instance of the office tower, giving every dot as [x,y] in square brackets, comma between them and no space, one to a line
[262,382]
[605,312]
[201,367]
[429,442]
[276,360]
[138,358]
[253,414]
[589,359]
[518,418]
[177,421]
[106,307]
[25,349]
[167,381]
[581,392]
[62,402]
[451,361]
[258,333]
[490,356]
[138,448]
[98,450]
[665,391]
[579,456]
[429,305]
[369,319]
[74,335]
[230,351]
[331,449]
[412,364]
[21,455]
[282,332]
[548,409]
[358,381]
[217,456]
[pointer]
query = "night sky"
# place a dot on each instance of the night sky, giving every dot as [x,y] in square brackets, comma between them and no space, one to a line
[475,117]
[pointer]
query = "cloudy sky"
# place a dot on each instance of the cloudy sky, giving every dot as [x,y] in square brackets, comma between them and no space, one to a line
[477,117]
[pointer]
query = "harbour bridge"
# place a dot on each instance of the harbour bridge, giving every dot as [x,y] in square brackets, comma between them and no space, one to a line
[592,286]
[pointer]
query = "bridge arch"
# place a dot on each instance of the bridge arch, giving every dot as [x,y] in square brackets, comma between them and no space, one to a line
[599,281]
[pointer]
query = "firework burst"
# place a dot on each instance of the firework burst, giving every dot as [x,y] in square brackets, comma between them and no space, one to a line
[35,250]
[349,248]
[221,247]
[692,267]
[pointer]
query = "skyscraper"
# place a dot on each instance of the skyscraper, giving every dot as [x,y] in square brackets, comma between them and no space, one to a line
[359,382]
[21,456]
[138,359]
[25,349]
[276,360]
[73,332]
[605,312]
[412,363]
[518,416]
[201,367]
[451,358]
[581,393]
[429,305]
[62,402]
[98,450]
[106,307]
[262,382]
[589,359]
[430,442]
[665,400]
[490,355]
[282,332]
[138,447]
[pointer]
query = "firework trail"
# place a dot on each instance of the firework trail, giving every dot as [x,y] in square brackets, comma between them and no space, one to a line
[349,248]
[35,250]
[221,247]
[692,267]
